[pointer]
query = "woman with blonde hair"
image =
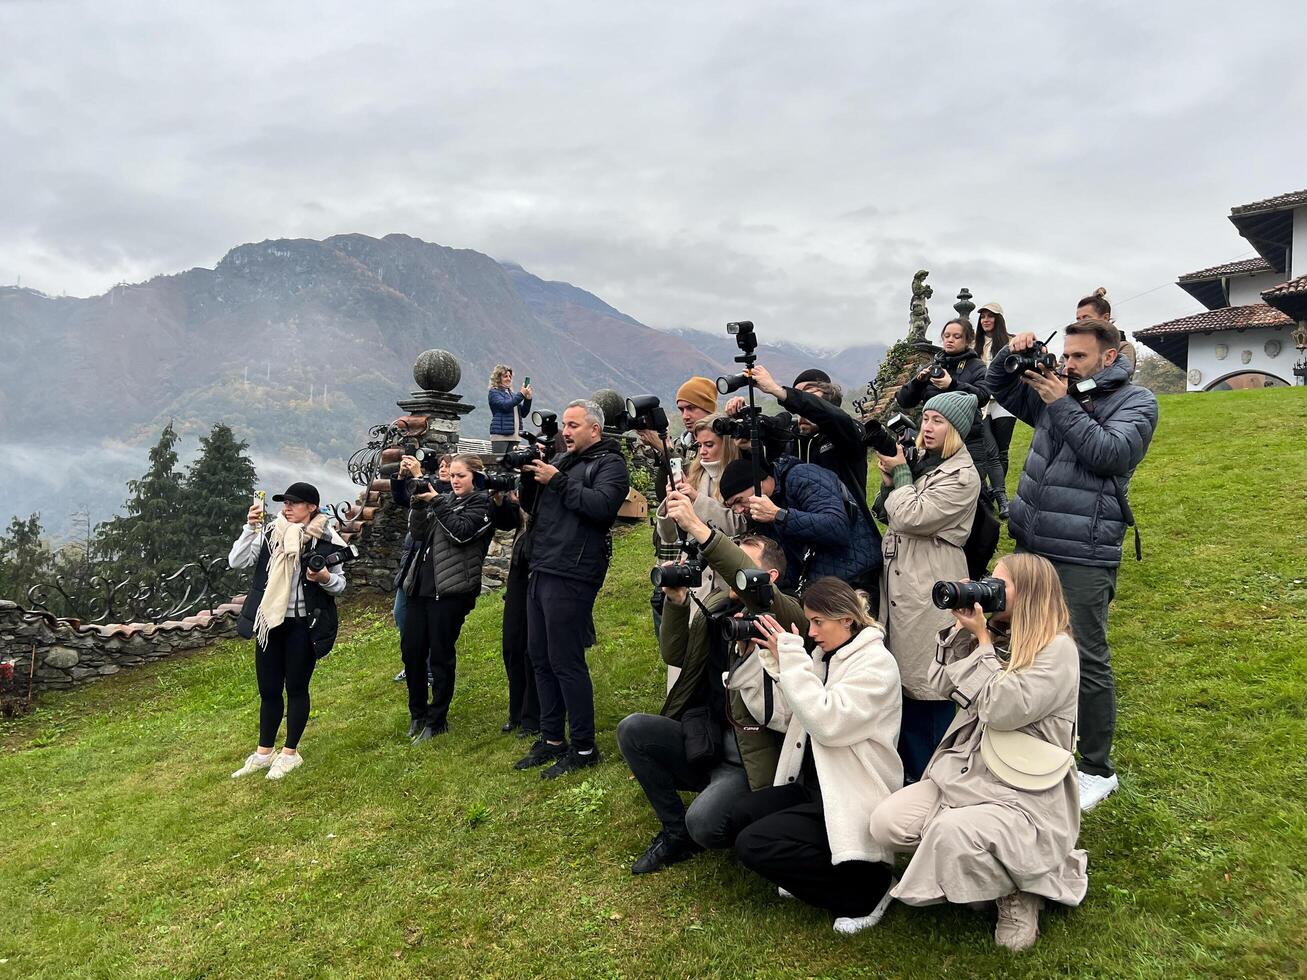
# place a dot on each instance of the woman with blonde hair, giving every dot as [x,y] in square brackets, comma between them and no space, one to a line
[928,508]
[808,833]
[997,813]
[506,408]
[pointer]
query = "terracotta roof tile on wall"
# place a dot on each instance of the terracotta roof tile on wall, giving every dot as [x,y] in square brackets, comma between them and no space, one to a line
[1226,318]
[1290,200]
[1291,288]
[1258,264]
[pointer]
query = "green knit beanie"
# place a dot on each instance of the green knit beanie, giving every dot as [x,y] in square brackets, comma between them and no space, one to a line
[959,407]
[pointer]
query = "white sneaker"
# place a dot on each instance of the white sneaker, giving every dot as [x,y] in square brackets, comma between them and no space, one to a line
[284,764]
[783,893]
[1095,789]
[254,763]
[849,925]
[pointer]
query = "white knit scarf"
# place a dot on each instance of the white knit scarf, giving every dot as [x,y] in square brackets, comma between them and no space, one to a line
[285,541]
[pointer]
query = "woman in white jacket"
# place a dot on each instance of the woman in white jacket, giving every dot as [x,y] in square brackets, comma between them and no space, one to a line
[809,833]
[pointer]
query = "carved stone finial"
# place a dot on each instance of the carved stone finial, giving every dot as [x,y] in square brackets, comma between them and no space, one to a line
[437,370]
[919,316]
[964,306]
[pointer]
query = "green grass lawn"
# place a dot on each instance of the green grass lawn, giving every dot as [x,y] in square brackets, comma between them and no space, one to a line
[125,849]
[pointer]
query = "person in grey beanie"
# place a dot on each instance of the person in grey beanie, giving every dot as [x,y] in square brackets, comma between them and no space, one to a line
[928,508]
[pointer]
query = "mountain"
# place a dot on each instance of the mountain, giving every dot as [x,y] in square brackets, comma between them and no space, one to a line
[301,345]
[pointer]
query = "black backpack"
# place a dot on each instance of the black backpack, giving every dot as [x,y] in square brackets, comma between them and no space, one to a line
[983,540]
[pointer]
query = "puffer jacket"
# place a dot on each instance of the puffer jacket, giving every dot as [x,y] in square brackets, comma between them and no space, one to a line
[503,421]
[451,555]
[1068,505]
[822,525]
[572,514]
[837,444]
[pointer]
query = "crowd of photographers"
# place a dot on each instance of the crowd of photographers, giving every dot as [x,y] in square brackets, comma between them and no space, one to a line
[846,681]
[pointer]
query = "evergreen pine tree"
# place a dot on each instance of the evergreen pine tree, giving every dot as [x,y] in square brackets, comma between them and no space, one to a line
[154,536]
[25,558]
[219,487]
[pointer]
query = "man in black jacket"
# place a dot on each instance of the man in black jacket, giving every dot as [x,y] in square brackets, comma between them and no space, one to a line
[573,501]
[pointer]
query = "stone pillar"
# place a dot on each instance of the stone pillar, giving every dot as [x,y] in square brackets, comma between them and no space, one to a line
[432,418]
[964,306]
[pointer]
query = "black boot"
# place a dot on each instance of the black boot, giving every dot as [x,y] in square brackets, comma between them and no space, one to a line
[541,752]
[1000,496]
[668,848]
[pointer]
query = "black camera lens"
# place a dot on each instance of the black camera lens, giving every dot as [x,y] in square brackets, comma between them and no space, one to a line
[876,436]
[688,575]
[317,563]
[732,382]
[742,628]
[990,593]
[500,482]
[515,459]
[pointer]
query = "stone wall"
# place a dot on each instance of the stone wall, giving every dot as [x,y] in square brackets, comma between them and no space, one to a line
[68,653]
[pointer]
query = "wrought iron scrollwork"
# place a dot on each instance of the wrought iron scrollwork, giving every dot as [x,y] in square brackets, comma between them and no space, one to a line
[865,405]
[195,586]
[365,464]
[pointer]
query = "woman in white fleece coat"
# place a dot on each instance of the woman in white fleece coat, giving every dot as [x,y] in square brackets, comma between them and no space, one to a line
[839,708]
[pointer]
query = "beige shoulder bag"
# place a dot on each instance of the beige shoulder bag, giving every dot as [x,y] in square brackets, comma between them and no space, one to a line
[1024,761]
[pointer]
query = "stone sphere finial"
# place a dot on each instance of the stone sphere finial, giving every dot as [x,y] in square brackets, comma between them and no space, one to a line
[964,306]
[611,402]
[437,370]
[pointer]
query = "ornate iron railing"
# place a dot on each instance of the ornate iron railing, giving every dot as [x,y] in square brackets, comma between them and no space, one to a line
[195,586]
[365,463]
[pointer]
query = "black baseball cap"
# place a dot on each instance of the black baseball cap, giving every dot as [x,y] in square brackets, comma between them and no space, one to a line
[299,493]
[811,374]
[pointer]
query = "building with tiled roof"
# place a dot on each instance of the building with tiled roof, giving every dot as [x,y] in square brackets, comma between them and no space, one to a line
[1255,324]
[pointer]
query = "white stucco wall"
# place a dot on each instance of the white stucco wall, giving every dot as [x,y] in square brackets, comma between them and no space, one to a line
[1298,254]
[1246,290]
[1202,355]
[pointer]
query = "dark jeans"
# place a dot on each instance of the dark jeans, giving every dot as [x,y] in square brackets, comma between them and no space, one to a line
[287,663]
[431,628]
[993,471]
[780,833]
[398,610]
[559,625]
[1089,590]
[523,705]
[654,748]
[923,727]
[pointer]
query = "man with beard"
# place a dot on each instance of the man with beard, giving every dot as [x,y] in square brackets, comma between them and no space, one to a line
[1092,428]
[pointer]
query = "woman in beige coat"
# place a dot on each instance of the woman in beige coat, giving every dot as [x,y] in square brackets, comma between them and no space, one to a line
[980,836]
[808,833]
[699,483]
[928,508]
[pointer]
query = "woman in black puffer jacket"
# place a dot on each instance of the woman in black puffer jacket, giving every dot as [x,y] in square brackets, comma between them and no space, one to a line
[441,581]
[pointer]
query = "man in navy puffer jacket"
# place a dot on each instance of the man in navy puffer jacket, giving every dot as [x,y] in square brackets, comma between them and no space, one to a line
[1072,504]
[807,510]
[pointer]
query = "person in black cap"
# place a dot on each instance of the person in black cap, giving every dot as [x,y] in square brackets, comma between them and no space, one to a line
[290,612]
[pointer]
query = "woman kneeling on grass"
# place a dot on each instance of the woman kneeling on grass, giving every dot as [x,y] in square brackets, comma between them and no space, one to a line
[997,813]
[290,611]
[807,833]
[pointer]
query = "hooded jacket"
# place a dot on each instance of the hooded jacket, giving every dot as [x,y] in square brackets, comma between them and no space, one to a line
[572,514]
[967,372]
[1069,500]
[823,532]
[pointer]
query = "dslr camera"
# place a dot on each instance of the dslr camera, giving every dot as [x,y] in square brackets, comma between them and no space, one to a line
[501,482]
[687,574]
[643,412]
[317,562]
[1031,360]
[409,447]
[757,585]
[990,593]
[537,448]
[885,437]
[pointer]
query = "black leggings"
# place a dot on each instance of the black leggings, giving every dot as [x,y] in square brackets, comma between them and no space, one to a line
[431,628]
[286,663]
[998,435]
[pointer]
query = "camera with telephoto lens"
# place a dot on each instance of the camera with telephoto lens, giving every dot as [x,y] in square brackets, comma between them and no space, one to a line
[1031,359]
[342,554]
[515,459]
[500,482]
[991,593]
[886,438]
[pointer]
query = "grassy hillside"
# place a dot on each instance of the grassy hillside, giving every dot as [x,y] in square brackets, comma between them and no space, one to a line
[126,850]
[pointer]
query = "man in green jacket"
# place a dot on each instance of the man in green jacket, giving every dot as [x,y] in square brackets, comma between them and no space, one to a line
[697,742]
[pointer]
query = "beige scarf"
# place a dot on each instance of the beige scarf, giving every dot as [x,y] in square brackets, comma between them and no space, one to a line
[285,541]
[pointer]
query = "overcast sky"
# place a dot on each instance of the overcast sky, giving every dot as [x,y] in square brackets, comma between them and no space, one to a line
[794,163]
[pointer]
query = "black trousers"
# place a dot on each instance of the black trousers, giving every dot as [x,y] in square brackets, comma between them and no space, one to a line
[560,625]
[523,704]
[431,628]
[920,732]
[1000,431]
[285,664]
[781,835]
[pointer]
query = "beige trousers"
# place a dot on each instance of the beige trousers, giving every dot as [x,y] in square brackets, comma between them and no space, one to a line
[898,822]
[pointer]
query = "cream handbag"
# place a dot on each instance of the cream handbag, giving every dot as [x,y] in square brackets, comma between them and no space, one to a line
[1024,761]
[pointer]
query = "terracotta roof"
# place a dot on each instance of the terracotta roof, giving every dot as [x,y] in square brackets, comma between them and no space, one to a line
[1258,264]
[1226,318]
[1293,287]
[1280,201]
